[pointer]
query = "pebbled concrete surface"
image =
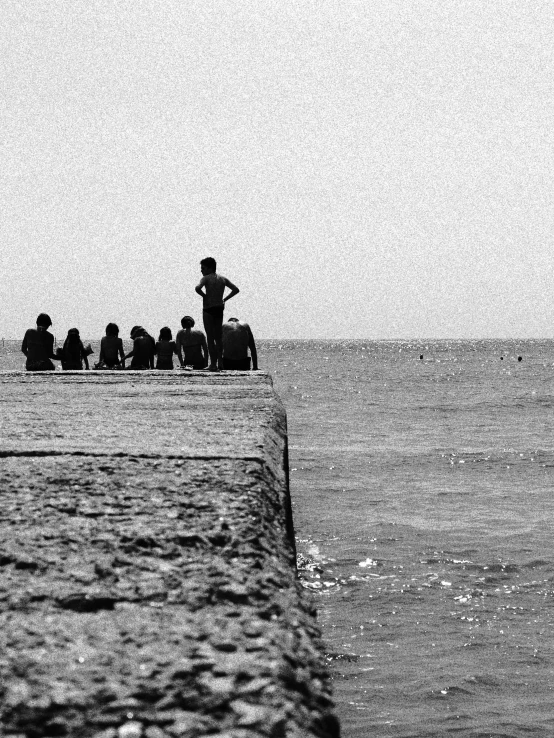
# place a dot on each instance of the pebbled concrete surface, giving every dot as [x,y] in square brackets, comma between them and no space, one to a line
[147,577]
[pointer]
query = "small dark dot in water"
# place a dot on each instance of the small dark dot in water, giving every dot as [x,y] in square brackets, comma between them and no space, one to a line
[421,356]
[520,358]
[501,358]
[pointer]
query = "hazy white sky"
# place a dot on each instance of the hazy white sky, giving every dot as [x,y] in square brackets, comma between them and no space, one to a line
[359,168]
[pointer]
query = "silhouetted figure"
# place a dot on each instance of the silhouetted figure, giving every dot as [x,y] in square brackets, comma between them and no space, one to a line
[38,346]
[520,358]
[237,339]
[165,348]
[192,348]
[73,353]
[112,355]
[213,304]
[143,349]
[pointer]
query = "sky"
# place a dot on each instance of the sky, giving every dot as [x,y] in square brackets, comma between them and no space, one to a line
[373,169]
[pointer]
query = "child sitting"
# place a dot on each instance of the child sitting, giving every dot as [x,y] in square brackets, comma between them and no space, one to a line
[143,349]
[112,355]
[165,348]
[74,353]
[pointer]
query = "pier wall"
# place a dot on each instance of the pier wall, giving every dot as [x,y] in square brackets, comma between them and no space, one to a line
[147,569]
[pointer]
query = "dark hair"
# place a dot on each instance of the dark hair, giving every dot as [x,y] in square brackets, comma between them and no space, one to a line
[165,334]
[44,320]
[187,319]
[209,262]
[72,337]
[112,329]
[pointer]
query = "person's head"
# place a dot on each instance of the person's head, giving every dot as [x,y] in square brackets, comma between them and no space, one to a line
[165,334]
[208,265]
[44,321]
[73,335]
[233,320]
[136,331]
[112,329]
[187,321]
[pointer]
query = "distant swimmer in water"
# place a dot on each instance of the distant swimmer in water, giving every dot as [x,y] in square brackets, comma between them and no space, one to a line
[112,355]
[214,286]
[192,348]
[38,346]
[165,348]
[143,349]
[520,358]
[237,339]
[74,353]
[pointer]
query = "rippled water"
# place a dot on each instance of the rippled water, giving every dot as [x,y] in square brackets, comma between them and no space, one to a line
[423,502]
[423,493]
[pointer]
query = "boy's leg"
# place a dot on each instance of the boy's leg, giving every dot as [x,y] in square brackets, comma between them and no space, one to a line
[209,328]
[218,338]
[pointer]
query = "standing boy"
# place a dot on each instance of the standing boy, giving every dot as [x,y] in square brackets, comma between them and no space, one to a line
[214,288]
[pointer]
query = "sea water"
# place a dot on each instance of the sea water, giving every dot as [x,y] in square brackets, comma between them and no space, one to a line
[422,479]
[422,484]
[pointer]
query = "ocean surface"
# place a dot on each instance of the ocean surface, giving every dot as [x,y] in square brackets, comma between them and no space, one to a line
[422,479]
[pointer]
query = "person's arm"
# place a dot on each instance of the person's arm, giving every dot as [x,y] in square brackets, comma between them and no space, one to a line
[24,344]
[204,349]
[252,347]
[121,353]
[131,352]
[234,290]
[179,350]
[198,288]
[101,355]
[84,356]
[52,354]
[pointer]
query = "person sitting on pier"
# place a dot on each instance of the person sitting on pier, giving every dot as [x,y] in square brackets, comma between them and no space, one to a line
[237,339]
[213,304]
[74,353]
[192,348]
[143,349]
[165,348]
[112,355]
[38,346]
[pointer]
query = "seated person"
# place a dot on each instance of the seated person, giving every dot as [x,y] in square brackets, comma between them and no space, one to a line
[143,349]
[191,343]
[165,348]
[73,353]
[38,346]
[112,355]
[237,338]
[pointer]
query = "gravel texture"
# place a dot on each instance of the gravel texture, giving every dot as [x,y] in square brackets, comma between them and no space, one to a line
[147,578]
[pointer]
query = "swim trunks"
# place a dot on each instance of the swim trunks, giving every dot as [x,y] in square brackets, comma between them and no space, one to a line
[216,312]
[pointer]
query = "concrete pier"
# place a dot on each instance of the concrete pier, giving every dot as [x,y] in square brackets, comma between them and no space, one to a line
[147,571]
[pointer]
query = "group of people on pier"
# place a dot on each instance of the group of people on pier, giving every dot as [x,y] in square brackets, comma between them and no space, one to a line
[224,346]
